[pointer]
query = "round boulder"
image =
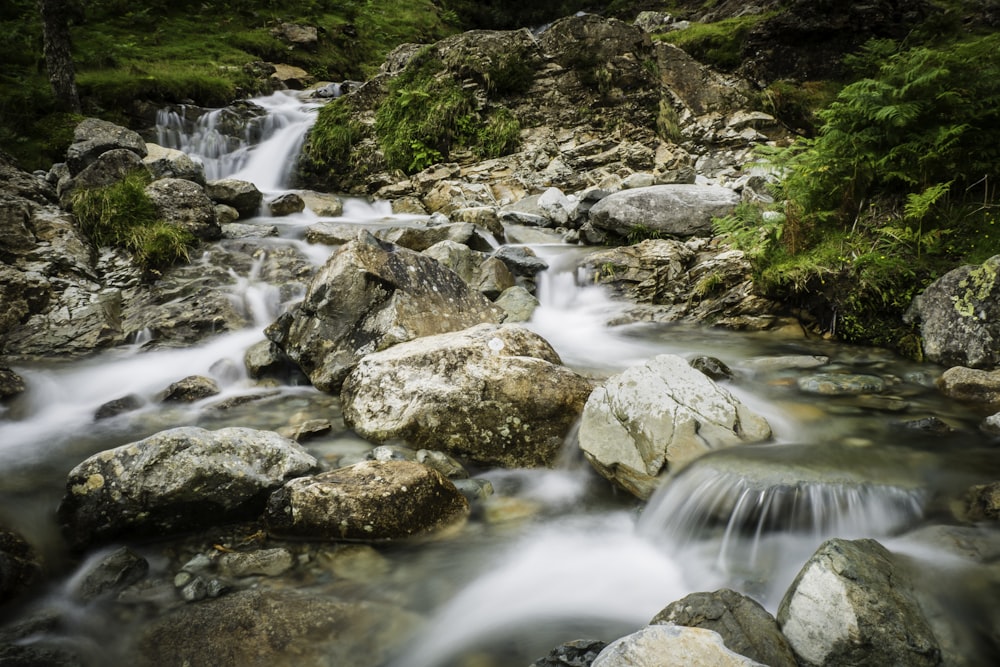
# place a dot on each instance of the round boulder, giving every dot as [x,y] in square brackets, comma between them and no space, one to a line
[184,204]
[177,480]
[94,137]
[496,395]
[668,210]
[241,195]
[659,645]
[368,501]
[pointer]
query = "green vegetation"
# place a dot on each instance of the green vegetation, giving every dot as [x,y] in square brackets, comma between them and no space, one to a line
[719,44]
[898,186]
[122,216]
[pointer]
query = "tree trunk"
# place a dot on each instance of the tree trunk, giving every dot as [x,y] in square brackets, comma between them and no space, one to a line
[58,56]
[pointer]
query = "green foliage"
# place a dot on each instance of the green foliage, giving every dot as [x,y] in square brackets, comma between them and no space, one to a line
[122,215]
[500,135]
[719,44]
[334,133]
[640,233]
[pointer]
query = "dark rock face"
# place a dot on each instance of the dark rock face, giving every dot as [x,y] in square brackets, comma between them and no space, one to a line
[371,295]
[241,195]
[371,501]
[175,481]
[20,567]
[745,626]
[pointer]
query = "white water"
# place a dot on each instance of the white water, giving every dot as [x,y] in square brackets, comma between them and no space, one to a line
[604,564]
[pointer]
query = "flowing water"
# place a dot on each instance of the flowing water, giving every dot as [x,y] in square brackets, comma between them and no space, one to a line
[557,554]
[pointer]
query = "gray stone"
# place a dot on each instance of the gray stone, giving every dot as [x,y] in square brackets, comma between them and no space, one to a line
[241,195]
[20,565]
[262,562]
[177,480]
[184,204]
[370,501]
[11,384]
[286,204]
[107,169]
[369,296]
[982,502]
[744,625]
[659,645]
[493,278]
[670,210]
[841,384]
[576,653]
[971,385]
[190,389]
[518,303]
[109,575]
[526,402]
[654,418]
[118,406]
[322,204]
[850,605]
[172,163]
[93,137]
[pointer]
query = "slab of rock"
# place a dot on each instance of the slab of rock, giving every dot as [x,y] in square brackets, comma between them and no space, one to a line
[241,195]
[493,395]
[850,605]
[971,385]
[659,645]
[93,137]
[744,625]
[670,210]
[658,416]
[177,480]
[370,501]
[369,296]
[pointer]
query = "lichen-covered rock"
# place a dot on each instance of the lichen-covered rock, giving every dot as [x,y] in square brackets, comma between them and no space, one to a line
[850,605]
[671,210]
[658,416]
[658,645]
[184,204]
[370,501]
[20,565]
[493,395]
[369,296]
[744,625]
[177,480]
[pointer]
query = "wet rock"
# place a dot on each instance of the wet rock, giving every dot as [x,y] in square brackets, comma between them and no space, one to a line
[263,562]
[172,163]
[177,480]
[227,215]
[518,303]
[851,605]
[20,566]
[305,430]
[458,257]
[493,278]
[928,425]
[712,367]
[577,653]
[11,384]
[93,137]
[286,204]
[368,501]
[526,402]
[670,210]
[441,462]
[109,574]
[744,625]
[369,296]
[241,195]
[841,384]
[236,230]
[278,628]
[107,169]
[191,389]
[521,261]
[118,406]
[970,384]
[784,362]
[184,204]
[990,425]
[265,359]
[982,502]
[658,645]
[657,417]
[959,316]
[322,204]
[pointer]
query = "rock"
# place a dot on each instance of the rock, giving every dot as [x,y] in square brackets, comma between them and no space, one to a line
[286,204]
[107,169]
[849,605]
[322,204]
[526,402]
[184,204]
[20,566]
[262,562]
[982,502]
[371,295]
[744,625]
[304,36]
[265,359]
[659,645]
[494,278]
[959,317]
[971,385]
[655,418]
[577,653]
[11,384]
[191,389]
[669,210]
[460,258]
[714,368]
[94,137]
[172,163]
[118,406]
[109,576]
[521,261]
[227,215]
[518,303]
[237,230]
[278,628]
[841,384]
[291,77]
[177,480]
[370,501]
[241,195]
[990,425]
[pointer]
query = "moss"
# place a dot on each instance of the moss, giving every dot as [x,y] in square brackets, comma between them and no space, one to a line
[719,44]
[978,286]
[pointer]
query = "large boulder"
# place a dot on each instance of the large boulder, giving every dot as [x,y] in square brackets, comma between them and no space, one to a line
[959,316]
[371,295]
[171,163]
[668,210]
[241,195]
[184,204]
[94,137]
[177,480]
[656,417]
[494,395]
[971,385]
[368,501]
[659,645]
[851,605]
[20,565]
[744,625]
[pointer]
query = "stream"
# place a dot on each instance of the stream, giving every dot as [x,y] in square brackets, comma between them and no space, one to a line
[558,554]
